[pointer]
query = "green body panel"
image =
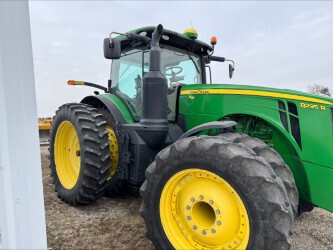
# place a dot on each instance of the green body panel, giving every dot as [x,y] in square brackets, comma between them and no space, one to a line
[311,162]
[121,106]
[321,185]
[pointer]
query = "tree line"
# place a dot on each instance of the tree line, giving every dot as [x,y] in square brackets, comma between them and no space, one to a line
[319,89]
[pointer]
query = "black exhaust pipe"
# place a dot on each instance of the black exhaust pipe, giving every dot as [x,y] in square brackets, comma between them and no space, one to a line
[154,86]
[154,120]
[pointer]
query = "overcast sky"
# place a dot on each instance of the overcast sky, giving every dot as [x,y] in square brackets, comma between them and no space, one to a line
[279,44]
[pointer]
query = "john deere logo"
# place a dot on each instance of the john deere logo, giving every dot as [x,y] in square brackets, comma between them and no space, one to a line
[199,92]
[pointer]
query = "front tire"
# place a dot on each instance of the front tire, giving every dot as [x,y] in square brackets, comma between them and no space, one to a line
[280,168]
[79,153]
[210,192]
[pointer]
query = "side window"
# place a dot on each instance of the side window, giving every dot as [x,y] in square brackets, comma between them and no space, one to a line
[126,73]
[129,76]
[126,76]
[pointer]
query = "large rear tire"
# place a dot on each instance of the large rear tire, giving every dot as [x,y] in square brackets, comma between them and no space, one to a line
[79,153]
[210,192]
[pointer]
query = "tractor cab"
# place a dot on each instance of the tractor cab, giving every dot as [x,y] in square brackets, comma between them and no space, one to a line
[182,62]
[179,66]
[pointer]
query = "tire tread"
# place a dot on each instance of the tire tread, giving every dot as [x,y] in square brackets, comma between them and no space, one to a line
[94,153]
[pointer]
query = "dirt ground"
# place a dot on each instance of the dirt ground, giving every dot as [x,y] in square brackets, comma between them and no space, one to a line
[116,223]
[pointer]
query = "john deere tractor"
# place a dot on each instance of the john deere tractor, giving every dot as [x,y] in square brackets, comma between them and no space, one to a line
[220,166]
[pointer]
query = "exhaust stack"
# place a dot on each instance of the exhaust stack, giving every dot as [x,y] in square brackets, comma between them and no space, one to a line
[154,118]
[154,86]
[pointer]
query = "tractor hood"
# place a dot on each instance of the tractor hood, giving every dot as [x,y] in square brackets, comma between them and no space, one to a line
[229,89]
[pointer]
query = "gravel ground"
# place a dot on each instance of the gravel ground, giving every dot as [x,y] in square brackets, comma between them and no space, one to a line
[116,223]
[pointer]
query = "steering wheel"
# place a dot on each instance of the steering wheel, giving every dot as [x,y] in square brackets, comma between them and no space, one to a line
[172,73]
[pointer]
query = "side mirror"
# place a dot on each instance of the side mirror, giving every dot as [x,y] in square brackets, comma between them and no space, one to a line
[112,48]
[231,70]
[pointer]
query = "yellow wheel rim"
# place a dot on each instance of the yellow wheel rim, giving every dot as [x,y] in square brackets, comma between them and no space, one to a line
[67,155]
[114,150]
[200,210]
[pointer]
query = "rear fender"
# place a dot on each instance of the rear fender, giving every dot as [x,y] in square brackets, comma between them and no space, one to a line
[104,102]
[209,125]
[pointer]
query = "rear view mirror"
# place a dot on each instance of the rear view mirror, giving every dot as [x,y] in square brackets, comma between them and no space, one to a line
[231,70]
[112,48]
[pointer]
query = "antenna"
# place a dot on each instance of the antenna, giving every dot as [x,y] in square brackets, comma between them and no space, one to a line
[191,24]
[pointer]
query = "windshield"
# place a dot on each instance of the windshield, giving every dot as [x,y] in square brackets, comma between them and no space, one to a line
[179,67]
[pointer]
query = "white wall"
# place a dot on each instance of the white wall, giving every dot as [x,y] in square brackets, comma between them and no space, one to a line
[22,217]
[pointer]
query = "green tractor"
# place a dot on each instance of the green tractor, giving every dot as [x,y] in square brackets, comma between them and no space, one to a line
[220,166]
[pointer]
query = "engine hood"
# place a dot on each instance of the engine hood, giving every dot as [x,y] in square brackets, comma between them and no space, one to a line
[230,89]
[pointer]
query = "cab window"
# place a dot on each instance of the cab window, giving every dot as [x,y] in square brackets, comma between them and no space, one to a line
[180,67]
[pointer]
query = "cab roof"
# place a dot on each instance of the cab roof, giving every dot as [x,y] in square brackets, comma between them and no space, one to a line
[176,39]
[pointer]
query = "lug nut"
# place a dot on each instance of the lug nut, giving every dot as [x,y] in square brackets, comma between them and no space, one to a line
[204,232]
[201,197]
[217,211]
[213,231]
[194,227]
[192,199]
[211,202]
[188,217]
[218,222]
[188,207]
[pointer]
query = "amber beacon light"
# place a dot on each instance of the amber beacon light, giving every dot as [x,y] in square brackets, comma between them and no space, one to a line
[213,40]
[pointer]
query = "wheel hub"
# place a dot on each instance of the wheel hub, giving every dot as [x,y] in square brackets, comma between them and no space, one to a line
[201,210]
[67,155]
[203,214]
